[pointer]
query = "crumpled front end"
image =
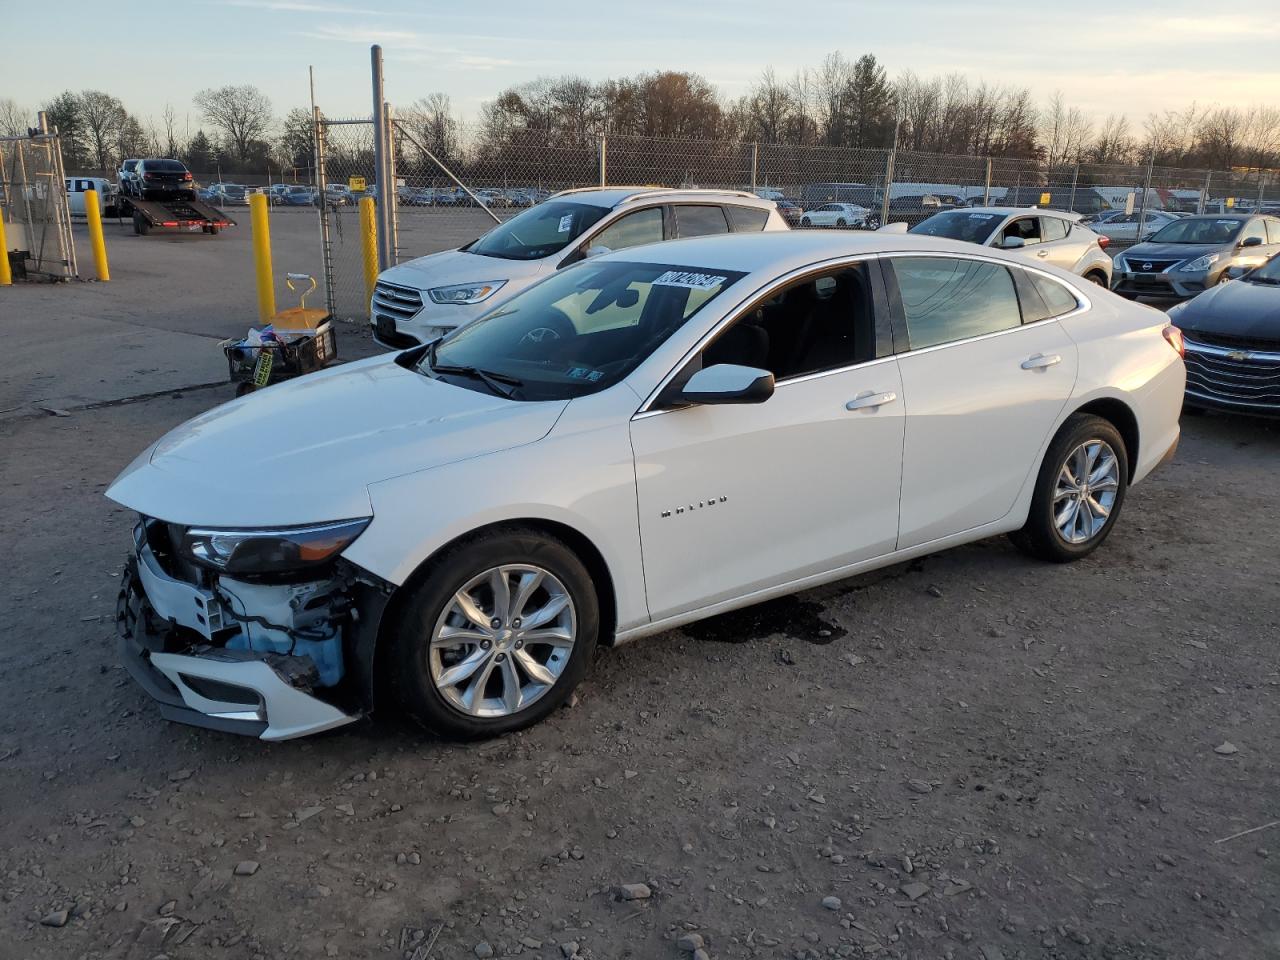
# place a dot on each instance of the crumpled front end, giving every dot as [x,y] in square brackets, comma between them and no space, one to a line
[272,658]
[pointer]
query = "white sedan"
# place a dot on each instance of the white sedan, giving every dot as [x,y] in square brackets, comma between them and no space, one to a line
[835,215]
[639,441]
[1125,227]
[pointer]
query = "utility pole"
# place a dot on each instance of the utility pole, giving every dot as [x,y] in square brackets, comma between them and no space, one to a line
[381,146]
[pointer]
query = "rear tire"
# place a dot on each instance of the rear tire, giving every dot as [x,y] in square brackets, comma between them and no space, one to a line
[1079,491]
[434,639]
[140,225]
[842,222]
[1099,278]
[1127,296]
[806,222]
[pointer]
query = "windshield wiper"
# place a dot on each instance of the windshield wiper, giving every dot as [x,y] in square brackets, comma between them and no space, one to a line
[500,383]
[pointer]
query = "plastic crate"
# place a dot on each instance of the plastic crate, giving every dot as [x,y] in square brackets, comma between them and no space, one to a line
[273,362]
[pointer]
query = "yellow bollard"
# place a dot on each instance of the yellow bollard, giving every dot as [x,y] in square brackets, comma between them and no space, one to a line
[93,216]
[6,274]
[369,245]
[262,257]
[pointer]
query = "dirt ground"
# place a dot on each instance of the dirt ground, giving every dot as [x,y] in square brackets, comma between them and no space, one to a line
[973,756]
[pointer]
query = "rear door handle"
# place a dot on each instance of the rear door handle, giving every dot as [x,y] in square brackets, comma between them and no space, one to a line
[1042,253]
[871,400]
[1040,361]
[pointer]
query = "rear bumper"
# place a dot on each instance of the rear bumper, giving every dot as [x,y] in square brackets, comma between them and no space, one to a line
[162,625]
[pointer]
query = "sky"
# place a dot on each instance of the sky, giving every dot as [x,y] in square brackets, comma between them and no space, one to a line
[1133,57]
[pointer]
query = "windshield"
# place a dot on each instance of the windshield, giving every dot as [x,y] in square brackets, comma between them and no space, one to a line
[958,225]
[1269,272]
[1199,230]
[578,332]
[539,231]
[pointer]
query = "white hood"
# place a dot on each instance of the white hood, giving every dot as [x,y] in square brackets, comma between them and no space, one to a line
[458,266]
[306,450]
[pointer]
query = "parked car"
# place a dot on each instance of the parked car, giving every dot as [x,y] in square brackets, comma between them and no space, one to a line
[76,187]
[1043,236]
[298,196]
[1193,253]
[126,173]
[1103,216]
[622,448]
[157,178]
[913,209]
[835,215]
[226,194]
[1125,226]
[790,211]
[1232,334]
[418,301]
[338,194]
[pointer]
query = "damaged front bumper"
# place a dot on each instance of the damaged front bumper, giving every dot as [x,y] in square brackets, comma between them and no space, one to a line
[212,666]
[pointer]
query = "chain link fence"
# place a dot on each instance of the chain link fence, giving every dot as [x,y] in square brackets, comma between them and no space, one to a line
[35,208]
[453,183]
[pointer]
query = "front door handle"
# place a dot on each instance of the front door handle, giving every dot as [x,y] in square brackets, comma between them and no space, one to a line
[871,400]
[1040,361]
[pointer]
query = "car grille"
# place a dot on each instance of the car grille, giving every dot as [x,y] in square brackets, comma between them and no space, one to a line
[1242,376]
[396,301]
[1140,265]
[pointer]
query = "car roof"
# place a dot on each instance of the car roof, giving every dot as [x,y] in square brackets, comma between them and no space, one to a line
[1017,211]
[775,252]
[611,197]
[1220,216]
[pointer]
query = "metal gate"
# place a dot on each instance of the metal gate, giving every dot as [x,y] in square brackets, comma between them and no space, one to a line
[34,206]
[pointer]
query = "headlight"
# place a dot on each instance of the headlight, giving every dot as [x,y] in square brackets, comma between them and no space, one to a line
[465,292]
[272,550]
[1121,264]
[1200,263]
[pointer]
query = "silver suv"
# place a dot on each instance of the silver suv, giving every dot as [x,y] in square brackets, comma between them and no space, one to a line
[1043,236]
[421,300]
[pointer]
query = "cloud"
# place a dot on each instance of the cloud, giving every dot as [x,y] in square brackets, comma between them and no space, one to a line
[300,6]
[483,63]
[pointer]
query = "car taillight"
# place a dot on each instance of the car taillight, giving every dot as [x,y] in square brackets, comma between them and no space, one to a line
[1103,241]
[148,176]
[1174,336]
[186,176]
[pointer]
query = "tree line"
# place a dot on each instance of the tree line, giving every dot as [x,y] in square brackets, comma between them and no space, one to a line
[840,103]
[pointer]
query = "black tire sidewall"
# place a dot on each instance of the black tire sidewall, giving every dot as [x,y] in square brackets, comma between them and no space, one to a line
[409,675]
[1040,536]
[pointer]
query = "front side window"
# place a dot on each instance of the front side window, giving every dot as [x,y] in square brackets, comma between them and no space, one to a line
[643,226]
[699,220]
[1025,228]
[1273,231]
[946,299]
[1255,228]
[816,324]
[578,332]
[539,231]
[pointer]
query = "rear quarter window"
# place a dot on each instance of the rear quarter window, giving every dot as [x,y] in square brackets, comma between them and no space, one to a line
[747,219]
[1057,298]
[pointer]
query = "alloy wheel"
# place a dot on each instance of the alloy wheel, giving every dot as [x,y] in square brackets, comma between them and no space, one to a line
[1086,491]
[502,641]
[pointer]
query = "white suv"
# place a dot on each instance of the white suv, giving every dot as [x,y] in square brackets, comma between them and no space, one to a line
[421,300]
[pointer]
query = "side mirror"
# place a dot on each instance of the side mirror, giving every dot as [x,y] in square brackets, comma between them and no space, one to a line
[1012,243]
[728,383]
[1251,242]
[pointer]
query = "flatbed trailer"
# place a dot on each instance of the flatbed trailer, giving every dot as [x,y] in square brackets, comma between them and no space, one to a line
[183,215]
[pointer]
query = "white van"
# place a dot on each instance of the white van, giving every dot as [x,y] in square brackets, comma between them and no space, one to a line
[76,187]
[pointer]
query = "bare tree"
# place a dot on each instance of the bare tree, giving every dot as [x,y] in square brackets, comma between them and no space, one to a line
[171,145]
[242,112]
[14,119]
[104,117]
[1064,132]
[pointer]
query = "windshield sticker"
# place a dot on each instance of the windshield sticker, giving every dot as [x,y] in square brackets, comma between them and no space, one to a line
[566,223]
[1227,223]
[584,373]
[979,216]
[694,281]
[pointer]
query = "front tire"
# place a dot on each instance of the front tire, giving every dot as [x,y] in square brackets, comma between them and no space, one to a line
[806,222]
[1079,491]
[495,635]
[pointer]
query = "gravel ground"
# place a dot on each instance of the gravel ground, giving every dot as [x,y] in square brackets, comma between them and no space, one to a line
[971,756]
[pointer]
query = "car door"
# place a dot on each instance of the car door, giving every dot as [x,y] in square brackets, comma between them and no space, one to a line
[1060,244]
[734,499]
[982,389]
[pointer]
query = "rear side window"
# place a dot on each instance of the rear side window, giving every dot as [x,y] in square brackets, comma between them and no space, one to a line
[748,219]
[1052,228]
[699,220]
[946,299]
[1273,231]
